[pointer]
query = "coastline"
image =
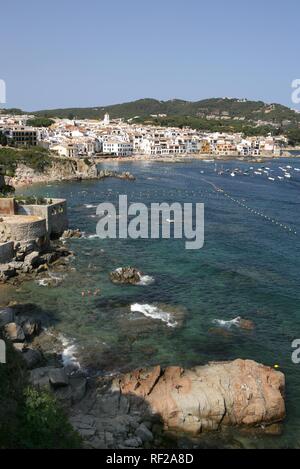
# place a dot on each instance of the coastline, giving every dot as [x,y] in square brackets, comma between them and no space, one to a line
[29,177]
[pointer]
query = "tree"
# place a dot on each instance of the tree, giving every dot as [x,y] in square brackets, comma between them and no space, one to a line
[3,139]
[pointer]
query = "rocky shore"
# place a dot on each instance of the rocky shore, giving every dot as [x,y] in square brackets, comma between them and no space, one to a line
[63,169]
[31,259]
[149,407]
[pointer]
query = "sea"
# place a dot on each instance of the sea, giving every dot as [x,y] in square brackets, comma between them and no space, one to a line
[184,310]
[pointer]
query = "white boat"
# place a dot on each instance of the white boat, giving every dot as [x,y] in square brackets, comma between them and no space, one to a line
[287,175]
[281,178]
[232,174]
[257,173]
[271,179]
[296,169]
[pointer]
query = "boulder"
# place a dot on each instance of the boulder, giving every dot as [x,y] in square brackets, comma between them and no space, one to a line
[32,357]
[144,433]
[7,315]
[78,387]
[68,234]
[126,275]
[239,393]
[7,271]
[39,377]
[20,346]
[33,259]
[58,377]
[14,332]
[31,328]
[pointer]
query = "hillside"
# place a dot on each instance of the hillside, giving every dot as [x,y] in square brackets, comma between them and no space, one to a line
[252,111]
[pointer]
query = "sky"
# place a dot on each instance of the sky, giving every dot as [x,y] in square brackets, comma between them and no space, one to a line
[70,53]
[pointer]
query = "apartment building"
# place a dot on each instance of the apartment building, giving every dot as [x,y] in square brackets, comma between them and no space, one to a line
[117,148]
[22,136]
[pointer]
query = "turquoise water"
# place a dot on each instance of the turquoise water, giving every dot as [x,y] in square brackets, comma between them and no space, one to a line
[249,267]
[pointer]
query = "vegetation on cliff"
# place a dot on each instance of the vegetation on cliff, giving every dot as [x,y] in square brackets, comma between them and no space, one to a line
[30,418]
[36,158]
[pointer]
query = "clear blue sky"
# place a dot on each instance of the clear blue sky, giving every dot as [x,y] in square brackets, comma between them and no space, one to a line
[64,53]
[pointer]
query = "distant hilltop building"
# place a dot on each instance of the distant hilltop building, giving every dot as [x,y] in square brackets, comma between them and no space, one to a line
[106,119]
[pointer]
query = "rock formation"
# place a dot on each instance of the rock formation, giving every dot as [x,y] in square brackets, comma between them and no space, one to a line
[204,398]
[127,275]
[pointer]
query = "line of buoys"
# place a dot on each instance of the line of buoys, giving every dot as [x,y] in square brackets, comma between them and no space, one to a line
[252,210]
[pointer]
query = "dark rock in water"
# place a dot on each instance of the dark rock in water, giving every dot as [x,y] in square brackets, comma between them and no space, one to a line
[126,275]
[7,315]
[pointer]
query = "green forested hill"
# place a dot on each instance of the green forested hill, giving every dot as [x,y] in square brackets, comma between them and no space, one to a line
[251,110]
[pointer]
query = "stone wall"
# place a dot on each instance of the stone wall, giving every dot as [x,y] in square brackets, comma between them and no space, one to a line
[6,252]
[55,214]
[22,228]
[7,205]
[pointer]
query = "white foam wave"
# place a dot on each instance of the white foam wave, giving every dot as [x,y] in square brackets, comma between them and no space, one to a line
[69,352]
[51,280]
[228,324]
[146,280]
[153,312]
